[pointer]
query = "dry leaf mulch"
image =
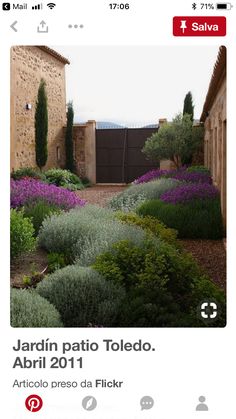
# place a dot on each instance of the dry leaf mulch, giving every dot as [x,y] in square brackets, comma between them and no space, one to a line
[26,265]
[211,257]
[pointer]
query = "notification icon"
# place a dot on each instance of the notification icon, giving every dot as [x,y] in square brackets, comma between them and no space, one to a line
[34,403]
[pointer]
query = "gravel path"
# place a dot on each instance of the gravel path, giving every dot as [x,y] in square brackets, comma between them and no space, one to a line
[100,195]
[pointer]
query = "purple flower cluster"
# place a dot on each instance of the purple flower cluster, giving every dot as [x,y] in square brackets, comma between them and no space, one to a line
[192,177]
[151,175]
[189,192]
[180,174]
[28,190]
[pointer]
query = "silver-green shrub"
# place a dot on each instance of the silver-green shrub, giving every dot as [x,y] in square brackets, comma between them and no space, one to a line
[109,233]
[29,309]
[83,233]
[83,297]
[60,233]
[134,195]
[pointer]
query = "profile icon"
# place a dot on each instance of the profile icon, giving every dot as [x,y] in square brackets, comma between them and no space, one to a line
[202,407]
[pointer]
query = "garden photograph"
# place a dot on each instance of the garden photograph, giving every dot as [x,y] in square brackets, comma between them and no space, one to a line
[118,187]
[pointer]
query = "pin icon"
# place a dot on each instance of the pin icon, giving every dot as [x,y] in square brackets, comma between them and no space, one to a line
[33,403]
[183,25]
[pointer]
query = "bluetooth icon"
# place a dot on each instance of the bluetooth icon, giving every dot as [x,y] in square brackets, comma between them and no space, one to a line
[194,6]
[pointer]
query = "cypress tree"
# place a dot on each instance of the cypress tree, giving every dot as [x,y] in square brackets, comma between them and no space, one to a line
[70,163]
[41,126]
[188,105]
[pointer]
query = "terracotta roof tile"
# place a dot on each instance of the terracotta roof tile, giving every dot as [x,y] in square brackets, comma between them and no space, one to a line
[54,53]
[219,73]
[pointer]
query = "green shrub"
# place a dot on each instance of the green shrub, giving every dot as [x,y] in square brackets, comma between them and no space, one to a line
[134,195]
[147,307]
[85,232]
[177,140]
[64,178]
[27,172]
[151,261]
[28,309]
[38,211]
[197,220]
[82,297]
[55,261]
[164,286]
[150,224]
[22,234]
[86,182]
[201,169]
[71,187]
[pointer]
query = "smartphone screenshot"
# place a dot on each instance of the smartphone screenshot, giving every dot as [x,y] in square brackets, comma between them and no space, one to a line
[118,209]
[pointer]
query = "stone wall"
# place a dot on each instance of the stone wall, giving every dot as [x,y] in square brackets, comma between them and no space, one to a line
[29,64]
[84,137]
[215,143]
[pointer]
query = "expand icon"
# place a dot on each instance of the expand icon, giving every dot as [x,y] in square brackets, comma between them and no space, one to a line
[208,311]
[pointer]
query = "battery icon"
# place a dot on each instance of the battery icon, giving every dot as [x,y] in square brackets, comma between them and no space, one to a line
[224,6]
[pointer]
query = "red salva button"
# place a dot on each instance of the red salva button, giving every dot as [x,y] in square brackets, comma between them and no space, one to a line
[199,26]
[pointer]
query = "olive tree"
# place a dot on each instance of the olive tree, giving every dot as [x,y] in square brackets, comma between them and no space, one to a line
[176,141]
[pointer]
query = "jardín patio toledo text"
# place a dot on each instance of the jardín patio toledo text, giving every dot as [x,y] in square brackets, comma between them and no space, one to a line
[85,345]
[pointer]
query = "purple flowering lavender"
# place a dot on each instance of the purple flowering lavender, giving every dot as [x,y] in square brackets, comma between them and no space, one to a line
[190,192]
[180,174]
[151,175]
[158,173]
[32,190]
[192,177]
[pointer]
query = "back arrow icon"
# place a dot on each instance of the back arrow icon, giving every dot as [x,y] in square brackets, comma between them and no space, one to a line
[13,26]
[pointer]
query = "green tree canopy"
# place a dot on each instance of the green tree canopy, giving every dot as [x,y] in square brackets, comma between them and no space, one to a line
[41,126]
[188,105]
[70,162]
[176,140]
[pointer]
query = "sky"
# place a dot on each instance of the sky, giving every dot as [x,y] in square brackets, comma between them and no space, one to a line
[136,85]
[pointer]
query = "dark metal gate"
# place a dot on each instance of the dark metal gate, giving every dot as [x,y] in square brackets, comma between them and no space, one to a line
[119,158]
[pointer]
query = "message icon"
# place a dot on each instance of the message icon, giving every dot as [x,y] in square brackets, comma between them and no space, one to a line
[146,403]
